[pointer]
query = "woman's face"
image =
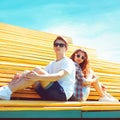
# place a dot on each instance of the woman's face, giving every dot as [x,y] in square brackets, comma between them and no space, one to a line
[79,57]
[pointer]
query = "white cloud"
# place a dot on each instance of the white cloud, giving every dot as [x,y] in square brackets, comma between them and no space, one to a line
[93,36]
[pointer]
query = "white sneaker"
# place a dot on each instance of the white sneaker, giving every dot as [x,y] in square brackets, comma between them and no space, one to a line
[114,99]
[5,93]
[106,99]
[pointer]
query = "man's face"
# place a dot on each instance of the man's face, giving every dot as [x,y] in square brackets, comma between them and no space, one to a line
[60,46]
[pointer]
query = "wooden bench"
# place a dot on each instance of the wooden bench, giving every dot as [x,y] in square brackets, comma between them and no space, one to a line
[22,49]
[55,109]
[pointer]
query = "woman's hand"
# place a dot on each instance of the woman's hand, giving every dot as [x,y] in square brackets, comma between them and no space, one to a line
[87,82]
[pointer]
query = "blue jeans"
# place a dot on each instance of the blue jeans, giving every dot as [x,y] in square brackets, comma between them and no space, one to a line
[85,92]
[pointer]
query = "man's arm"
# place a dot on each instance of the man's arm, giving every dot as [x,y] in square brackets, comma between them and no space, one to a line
[47,77]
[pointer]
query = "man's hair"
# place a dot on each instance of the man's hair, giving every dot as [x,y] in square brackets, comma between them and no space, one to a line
[63,39]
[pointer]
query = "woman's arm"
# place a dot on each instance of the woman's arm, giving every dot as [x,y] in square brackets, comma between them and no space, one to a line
[91,77]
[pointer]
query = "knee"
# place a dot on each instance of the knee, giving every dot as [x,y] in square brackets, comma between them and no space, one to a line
[96,81]
[25,72]
[37,68]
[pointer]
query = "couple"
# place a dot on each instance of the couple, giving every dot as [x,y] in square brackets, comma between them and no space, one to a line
[63,79]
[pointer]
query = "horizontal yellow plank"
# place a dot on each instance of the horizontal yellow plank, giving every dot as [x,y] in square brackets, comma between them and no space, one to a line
[83,108]
[26,103]
[38,108]
[96,97]
[25,96]
[55,105]
[32,103]
[15,30]
[98,108]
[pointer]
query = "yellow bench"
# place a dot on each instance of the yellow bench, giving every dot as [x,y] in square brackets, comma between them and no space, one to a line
[22,49]
[56,109]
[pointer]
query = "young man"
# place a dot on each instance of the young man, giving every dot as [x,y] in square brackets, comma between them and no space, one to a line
[56,82]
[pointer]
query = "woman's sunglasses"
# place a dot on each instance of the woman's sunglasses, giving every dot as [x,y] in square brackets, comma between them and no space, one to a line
[59,44]
[80,56]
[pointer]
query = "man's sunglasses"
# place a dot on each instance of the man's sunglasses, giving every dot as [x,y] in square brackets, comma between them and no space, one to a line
[79,56]
[59,44]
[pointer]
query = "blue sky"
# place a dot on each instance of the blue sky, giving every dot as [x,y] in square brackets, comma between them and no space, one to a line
[90,23]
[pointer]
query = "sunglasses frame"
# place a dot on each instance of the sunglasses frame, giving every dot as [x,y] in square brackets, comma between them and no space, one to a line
[79,56]
[61,45]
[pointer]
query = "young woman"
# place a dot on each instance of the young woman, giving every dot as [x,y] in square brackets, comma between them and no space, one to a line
[56,82]
[85,78]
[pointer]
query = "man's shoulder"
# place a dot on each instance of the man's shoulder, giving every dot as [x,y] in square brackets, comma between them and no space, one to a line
[67,59]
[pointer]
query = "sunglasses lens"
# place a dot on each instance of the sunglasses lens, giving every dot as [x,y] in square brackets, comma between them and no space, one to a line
[59,44]
[55,44]
[82,58]
[78,56]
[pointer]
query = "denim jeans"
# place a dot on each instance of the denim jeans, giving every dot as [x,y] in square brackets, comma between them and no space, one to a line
[54,92]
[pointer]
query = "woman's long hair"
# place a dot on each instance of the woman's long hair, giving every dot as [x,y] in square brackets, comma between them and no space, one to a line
[85,66]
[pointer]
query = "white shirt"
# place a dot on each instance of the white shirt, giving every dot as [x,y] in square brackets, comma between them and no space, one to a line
[68,81]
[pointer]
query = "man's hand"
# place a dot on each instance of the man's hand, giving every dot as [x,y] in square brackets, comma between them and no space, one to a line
[32,75]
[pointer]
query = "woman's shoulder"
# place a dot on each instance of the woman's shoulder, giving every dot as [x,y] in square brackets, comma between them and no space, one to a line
[77,65]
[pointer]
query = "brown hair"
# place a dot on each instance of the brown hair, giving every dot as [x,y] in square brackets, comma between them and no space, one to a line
[85,66]
[63,39]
